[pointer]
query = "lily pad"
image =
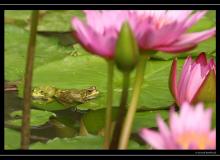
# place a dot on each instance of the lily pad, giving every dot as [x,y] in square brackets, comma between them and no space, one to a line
[84,71]
[49,20]
[58,20]
[94,121]
[206,22]
[79,142]
[38,118]
[12,139]
[47,50]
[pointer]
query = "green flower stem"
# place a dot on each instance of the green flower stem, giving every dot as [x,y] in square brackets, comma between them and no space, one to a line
[108,116]
[122,111]
[126,130]
[25,130]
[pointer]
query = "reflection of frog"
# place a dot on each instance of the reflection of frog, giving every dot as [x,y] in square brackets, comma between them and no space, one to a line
[67,97]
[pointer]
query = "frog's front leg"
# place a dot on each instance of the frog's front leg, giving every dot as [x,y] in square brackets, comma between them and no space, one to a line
[43,101]
[50,99]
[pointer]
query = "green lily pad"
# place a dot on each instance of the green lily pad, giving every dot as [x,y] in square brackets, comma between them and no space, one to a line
[211,15]
[49,20]
[12,139]
[94,121]
[79,142]
[19,17]
[38,118]
[58,20]
[148,119]
[206,22]
[84,71]
[47,50]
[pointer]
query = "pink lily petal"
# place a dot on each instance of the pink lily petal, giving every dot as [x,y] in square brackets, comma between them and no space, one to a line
[167,34]
[212,65]
[175,49]
[178,15]
[146,38]
[194,38]
[82,33]
[175,124]
[165,133]
[190,129]
[212,140]
[194,19]
[201,59]
[103,45]
[153,138]
[195,81]
[184,79]
[188,41]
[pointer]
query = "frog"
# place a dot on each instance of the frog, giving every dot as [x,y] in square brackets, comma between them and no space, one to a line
[67,97]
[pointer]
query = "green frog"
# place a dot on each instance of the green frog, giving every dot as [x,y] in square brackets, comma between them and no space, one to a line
[67,97]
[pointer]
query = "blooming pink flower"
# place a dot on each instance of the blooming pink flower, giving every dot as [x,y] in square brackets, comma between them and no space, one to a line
[100,32]
[197,81]
[191,129]
[154,30]
[165,30]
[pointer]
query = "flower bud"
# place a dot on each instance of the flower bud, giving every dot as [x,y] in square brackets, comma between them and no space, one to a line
[197,81]
[127,52]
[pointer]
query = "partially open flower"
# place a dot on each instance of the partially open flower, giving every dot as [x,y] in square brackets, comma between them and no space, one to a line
[191,129]
[197,81]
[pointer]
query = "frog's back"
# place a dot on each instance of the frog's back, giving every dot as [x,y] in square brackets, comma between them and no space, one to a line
[69,96]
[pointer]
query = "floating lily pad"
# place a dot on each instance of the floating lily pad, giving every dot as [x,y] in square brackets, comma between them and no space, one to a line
[16,41]
[49,20]
[58,20]
[84,71]
[12,139]
[94,121]
[79,142]
[78,72]
[38,118]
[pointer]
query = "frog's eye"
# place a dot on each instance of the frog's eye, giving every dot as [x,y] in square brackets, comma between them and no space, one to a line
[90,91]
[92,88]
[42,92]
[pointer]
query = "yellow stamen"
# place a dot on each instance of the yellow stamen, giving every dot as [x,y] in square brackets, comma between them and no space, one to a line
[200,139]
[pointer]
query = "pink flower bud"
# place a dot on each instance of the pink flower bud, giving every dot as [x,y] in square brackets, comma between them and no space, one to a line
[197,81]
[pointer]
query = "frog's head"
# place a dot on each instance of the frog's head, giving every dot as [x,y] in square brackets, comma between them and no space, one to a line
[89,93]
[43,92]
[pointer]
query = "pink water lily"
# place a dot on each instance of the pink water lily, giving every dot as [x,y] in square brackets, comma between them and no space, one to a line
[197,81]
[190,129]
[154,30]
[165,30]
[100,31]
